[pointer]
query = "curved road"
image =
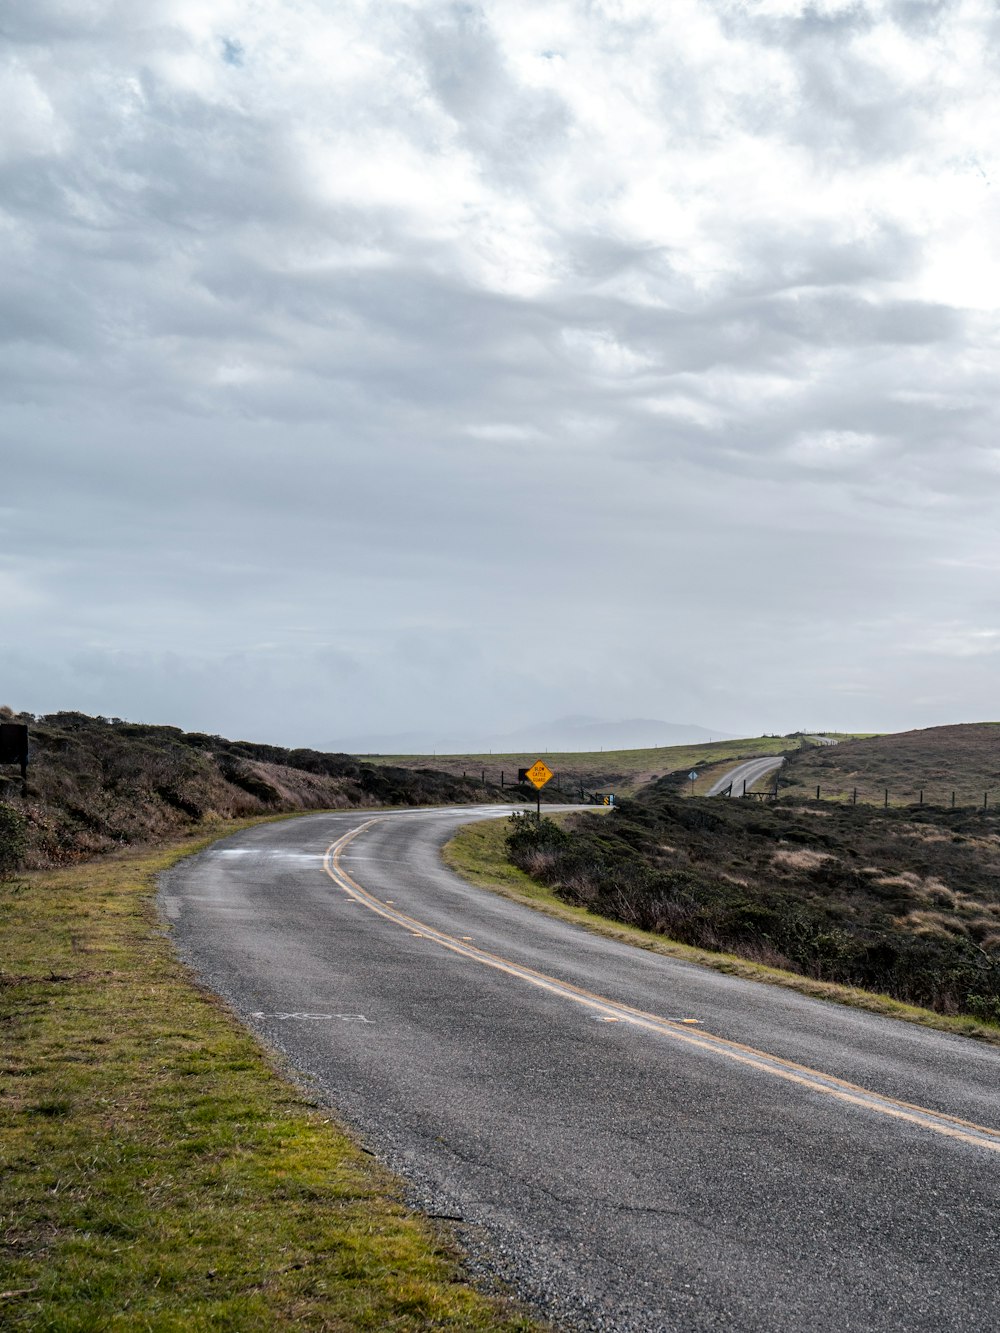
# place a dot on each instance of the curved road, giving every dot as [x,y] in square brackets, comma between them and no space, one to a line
[754,769]
[632,1142]
[750,772]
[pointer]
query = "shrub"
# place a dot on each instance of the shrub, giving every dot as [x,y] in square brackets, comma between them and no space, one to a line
[13,839]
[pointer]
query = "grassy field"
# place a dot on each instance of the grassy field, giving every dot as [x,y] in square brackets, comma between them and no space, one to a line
[937,761]
[158,1172]
[479,853]
[625,770]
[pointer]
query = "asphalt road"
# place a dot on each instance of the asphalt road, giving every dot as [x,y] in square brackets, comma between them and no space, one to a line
[631,1142]
[750,772]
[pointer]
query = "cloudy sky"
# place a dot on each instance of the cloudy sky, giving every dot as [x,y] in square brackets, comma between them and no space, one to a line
[377,367]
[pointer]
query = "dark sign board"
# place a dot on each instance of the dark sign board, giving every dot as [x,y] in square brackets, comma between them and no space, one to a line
[13,743]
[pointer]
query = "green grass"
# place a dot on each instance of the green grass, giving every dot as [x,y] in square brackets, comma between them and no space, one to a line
[157,1172]
[478,852]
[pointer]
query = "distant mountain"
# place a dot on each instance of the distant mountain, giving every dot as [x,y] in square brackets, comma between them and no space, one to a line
[587,733]
[571,734]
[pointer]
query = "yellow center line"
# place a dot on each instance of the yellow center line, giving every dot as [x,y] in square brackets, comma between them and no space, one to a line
[967,1131]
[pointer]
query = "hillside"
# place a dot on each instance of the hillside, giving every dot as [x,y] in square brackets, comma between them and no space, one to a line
[96,783]
[964,759]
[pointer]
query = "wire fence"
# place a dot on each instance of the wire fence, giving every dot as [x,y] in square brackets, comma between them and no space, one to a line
[563,786]
[947,798]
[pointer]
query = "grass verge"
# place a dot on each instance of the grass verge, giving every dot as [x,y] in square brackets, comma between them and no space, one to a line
[478,854]
[156,1171]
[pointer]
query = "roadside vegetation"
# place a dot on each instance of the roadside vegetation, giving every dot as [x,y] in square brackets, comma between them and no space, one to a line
[903,903]
[479,853]
[97,783]
[157,1171]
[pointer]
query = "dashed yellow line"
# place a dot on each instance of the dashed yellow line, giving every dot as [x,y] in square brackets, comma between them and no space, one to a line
[613,1011]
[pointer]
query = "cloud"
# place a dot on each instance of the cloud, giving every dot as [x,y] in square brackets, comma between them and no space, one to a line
[469,358]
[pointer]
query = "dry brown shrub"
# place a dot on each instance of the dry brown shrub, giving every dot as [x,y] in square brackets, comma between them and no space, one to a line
[759,951]
[923,833]
[906,879]
[934,925]
[799,858]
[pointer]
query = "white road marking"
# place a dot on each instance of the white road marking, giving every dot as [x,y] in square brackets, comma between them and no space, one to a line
[282,1016]
[268,853]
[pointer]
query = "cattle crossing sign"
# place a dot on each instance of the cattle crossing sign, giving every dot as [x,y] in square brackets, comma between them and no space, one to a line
[538,774]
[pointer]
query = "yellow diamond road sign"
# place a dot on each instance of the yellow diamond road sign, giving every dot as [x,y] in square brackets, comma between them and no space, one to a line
[539,773]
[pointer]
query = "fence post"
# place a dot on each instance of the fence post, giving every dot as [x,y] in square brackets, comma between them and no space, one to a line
[817,793]
[854,799]
[953,800]
[921,795]
[887,798]
[484,777]
[501,780]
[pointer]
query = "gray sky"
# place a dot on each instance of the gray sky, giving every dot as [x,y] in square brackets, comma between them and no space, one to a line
[373,367]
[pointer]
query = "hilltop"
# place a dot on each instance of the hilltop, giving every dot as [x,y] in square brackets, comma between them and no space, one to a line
[96,783]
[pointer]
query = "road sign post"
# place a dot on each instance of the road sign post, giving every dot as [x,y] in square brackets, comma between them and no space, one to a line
[538,774]
[691,777]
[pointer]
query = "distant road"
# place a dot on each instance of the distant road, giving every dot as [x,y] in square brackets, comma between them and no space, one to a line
[635,1143]
[755,769]
[750,772]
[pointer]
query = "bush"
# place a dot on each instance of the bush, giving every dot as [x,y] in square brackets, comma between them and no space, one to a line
[13,839]
[528,834]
